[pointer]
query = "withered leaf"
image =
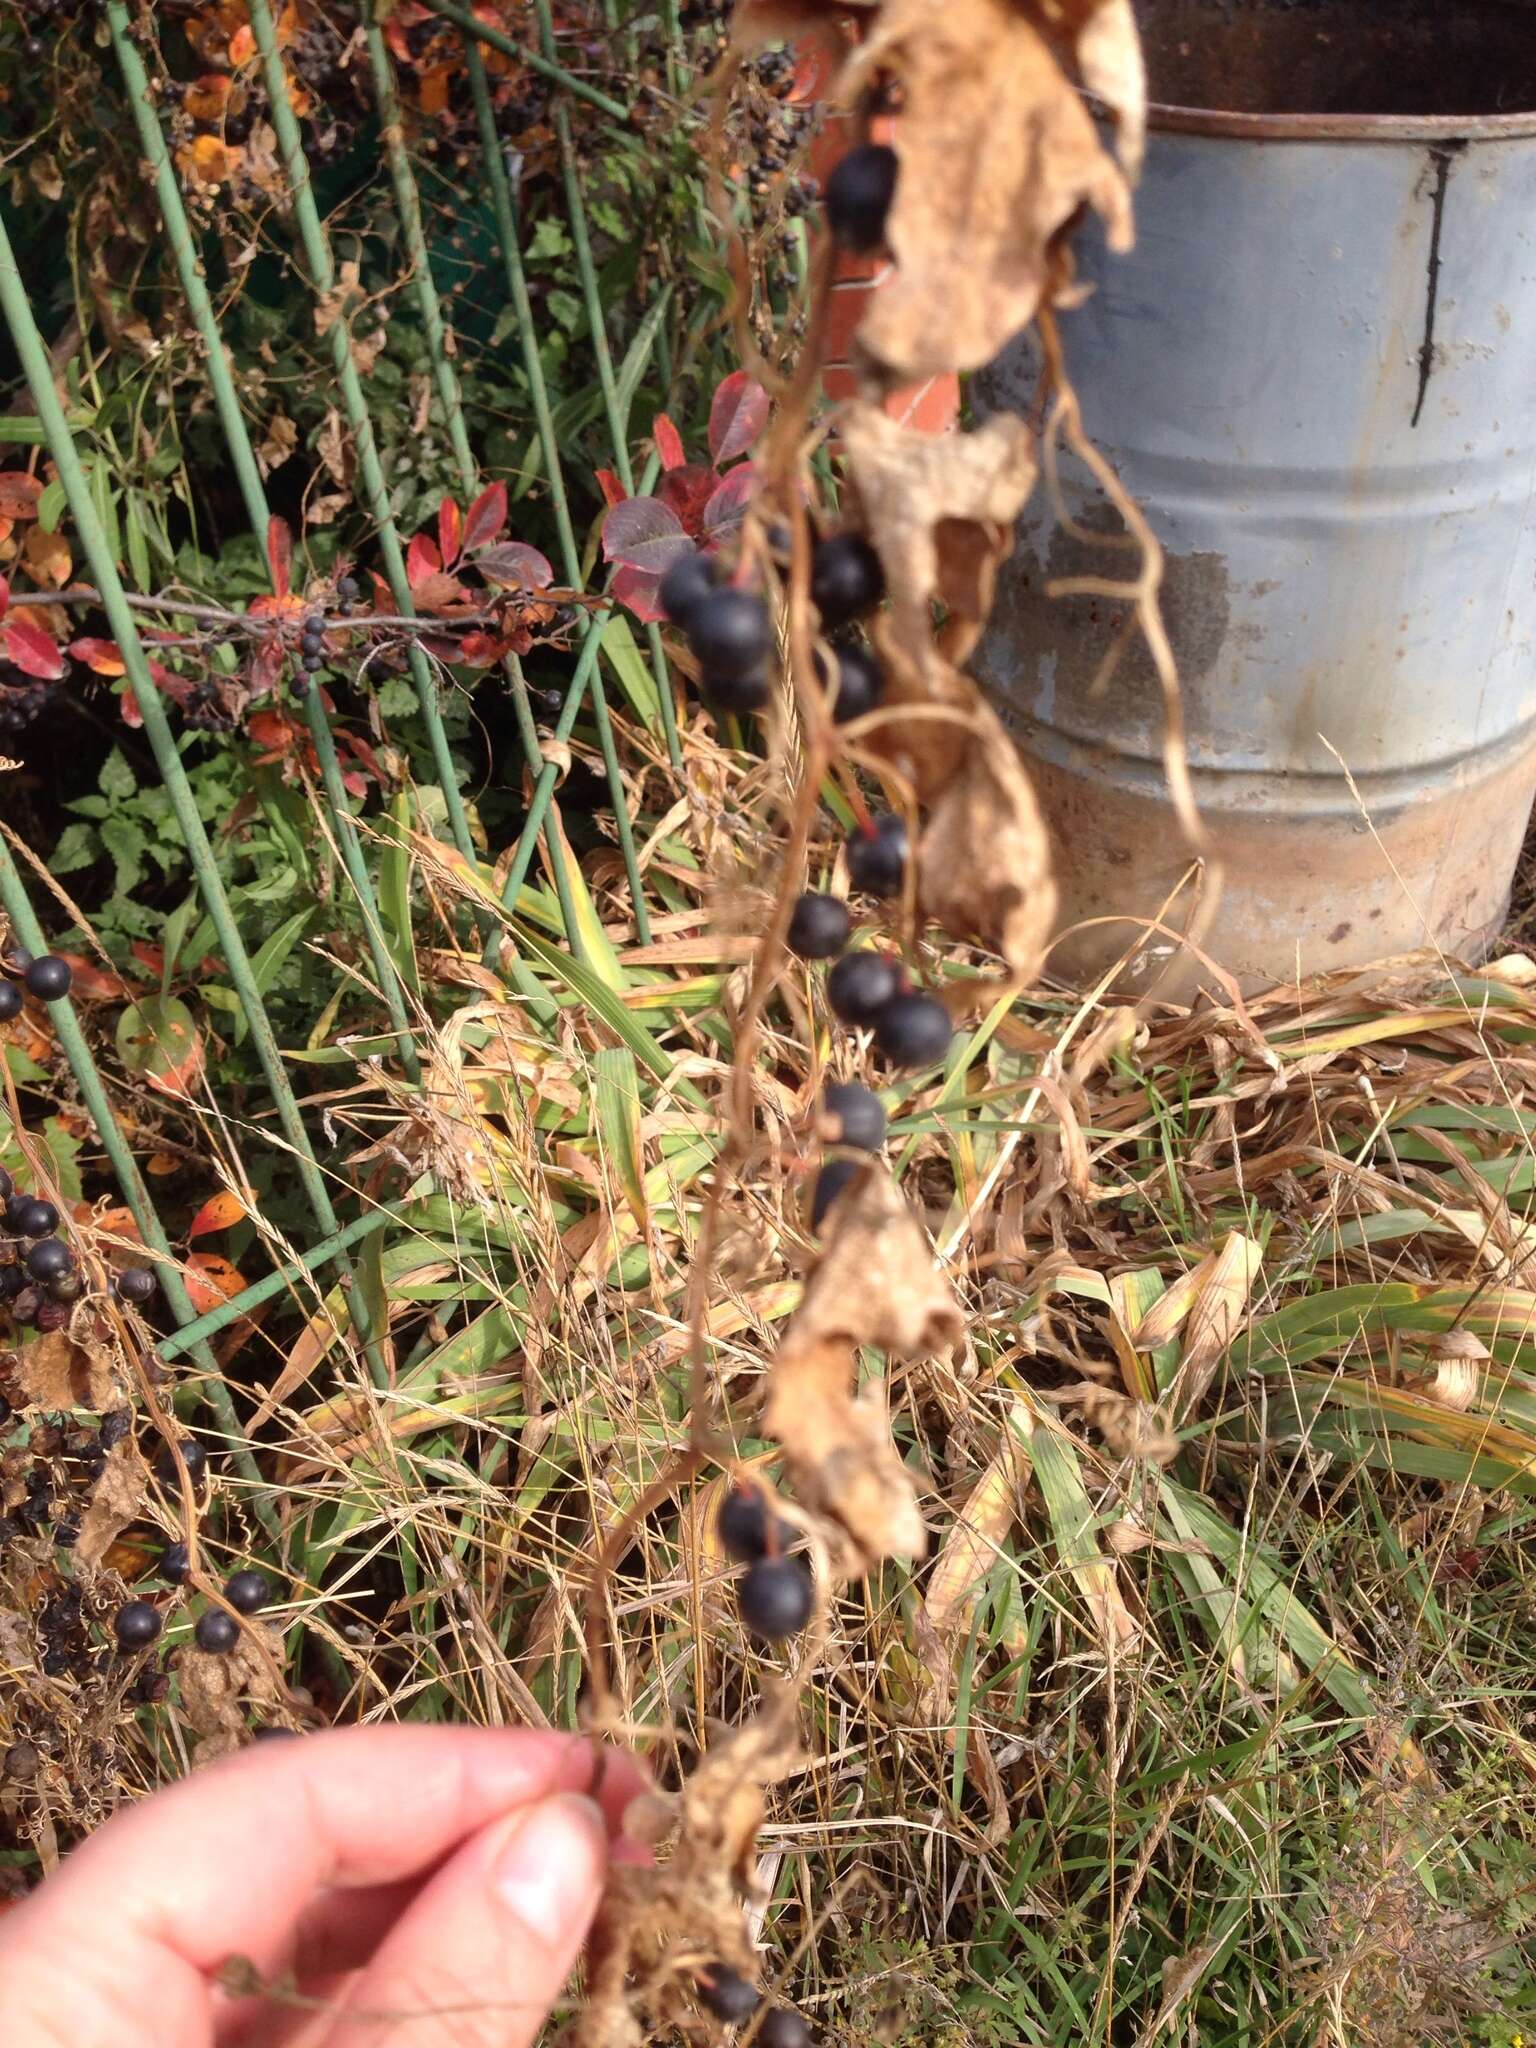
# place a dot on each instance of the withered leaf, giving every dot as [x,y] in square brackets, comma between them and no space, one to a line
[60,1370]
[838,1449]
[939,509]
[876,1282]
[984,860]
[974,1543]
[997,153]
[1114,71]
[115,1501]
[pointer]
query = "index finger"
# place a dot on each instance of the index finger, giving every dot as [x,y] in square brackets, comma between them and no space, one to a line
[222,1863]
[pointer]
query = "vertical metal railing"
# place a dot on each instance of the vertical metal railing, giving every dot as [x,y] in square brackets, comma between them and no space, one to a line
[585,688]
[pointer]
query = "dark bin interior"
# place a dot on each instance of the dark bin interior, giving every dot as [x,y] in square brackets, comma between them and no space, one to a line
[1425,57]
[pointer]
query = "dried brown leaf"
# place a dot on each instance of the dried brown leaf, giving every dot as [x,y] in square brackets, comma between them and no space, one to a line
[116,1500]
[984,860]
[997,154]
[838,1449]
[1218,1310]
[1113,69]
[971,1548]
[876,1282]
[940,511]
[61,1370]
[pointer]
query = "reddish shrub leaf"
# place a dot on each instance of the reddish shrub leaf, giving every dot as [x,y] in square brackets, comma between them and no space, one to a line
[643,533]
[485,518]
[637,588]
[515,566]
[726,506]
[687,491]
[437,592]
[102,656]
[450,531]
[210,1279]
[280,556]
[669,443]
[422,560]
[613,491]
[93,983]
[33,651]
[737,416]
[19,494]
[219,1212]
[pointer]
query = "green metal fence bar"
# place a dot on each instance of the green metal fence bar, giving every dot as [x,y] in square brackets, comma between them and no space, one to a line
[238,441]
[511,253]
[618,431]
[370,471]
[39,373]
[120,1158]
[555,73]
[238,1305]
[408,204]
[188,264]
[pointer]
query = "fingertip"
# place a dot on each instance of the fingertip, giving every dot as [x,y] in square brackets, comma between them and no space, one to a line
[548,1870]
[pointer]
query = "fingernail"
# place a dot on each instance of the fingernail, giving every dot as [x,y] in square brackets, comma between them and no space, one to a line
[549,1871]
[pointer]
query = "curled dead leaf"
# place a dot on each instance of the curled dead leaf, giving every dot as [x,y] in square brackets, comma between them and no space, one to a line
[876,1282]
[116,1500]
[65,1370]
[984,859]
[838,1449]
[997,154]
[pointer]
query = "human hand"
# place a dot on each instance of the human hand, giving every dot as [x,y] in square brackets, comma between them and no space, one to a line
[400,1885]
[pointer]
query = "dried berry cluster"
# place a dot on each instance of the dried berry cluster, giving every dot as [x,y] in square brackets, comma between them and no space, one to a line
[991,162]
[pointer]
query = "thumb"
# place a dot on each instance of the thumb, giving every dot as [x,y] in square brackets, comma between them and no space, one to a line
[479,1956]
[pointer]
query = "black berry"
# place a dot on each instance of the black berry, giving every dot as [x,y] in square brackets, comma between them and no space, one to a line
[7,1186]
[6,1411]
[10,1001]
[783,2028]
[818,927]
[914,1030]
[686,584]
[136,1624]
[830,1182]
[49,1315]
[735,693]
[349,589]
[877,858]
[861,1114]
[273,1733]
[114,1428]
[746,1532]
[48,978]
[194,1456]
[728,631]
[775,1597]
[66,1287]
[313,641]
[860,683]
[48,1258]
[860,986]
[312,663]
[137,1284]
[12,1281]
[175,1565]
[216,1630]
[30,1217]
[859,195]
[248,1590]
[846,579]
[15,1209]
[727,1993]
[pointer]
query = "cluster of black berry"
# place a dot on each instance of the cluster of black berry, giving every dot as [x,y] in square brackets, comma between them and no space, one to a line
[138,1623]
[312,643]
[204,709]
[734,1999]
[67,1459]
[22,699]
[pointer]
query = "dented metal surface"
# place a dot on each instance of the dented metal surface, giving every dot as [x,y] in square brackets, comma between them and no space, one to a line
[1315,374]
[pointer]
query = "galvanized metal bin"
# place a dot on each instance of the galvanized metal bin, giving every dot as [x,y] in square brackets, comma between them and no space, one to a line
[1317,373]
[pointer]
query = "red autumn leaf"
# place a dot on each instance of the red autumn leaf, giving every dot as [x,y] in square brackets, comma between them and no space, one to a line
[485,518]
[272,730]
[220,1212]
[669,443]
[422,560]
[450,531]
[211,1280]
[638,588]
[613,491]
[643,533]
[479,649]
[105,657]
[32,650]
[728,503]
[737,415]
[92,983]
[280,556]
[687,491]
[19,493]
[515,566]
[437,592]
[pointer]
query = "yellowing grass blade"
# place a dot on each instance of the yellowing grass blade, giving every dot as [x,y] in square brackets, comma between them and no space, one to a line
[973,1545]
[1053,1455]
